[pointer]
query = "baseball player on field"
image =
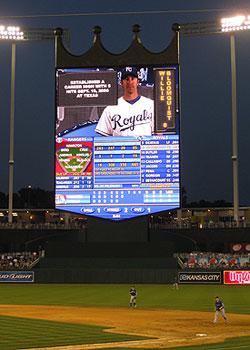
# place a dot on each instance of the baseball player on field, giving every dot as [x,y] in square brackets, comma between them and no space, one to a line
[175,284]
[133,115]
[219,309]
[133,295]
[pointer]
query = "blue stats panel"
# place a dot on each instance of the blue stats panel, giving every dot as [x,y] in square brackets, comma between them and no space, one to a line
[116,177]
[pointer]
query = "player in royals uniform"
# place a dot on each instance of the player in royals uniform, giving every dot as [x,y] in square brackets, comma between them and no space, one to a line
[175,284]
[133,295]
[219,309]
[133,115]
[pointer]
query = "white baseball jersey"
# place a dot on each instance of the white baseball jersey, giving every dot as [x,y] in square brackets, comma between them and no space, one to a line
[126,119]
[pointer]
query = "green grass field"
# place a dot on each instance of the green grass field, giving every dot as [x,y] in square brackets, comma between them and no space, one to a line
[21,333]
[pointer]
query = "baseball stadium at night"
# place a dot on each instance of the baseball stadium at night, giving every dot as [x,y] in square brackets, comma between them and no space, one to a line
[119,261]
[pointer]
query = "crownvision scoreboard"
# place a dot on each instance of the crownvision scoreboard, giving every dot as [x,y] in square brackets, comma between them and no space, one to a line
[115,177]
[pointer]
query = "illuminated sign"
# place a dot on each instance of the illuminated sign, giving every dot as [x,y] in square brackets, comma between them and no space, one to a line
[237,277]
[116,159]
[199,277]
[17,276]
[165,102]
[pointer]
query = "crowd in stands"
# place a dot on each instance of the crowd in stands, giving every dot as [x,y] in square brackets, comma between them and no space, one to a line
[18,260]
[210,260]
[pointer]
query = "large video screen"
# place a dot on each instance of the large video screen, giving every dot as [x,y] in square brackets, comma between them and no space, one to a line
[117,150]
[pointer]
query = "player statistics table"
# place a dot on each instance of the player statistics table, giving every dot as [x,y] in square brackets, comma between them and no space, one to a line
[117,177]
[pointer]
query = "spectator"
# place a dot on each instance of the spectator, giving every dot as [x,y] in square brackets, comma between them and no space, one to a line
[17,260]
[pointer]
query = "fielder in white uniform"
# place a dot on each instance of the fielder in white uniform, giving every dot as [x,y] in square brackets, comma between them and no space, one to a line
[133,115]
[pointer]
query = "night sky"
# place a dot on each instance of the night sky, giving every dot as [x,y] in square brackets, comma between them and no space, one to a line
[206,117]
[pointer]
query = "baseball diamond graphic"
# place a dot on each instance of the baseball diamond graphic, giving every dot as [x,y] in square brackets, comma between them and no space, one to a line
[74,159]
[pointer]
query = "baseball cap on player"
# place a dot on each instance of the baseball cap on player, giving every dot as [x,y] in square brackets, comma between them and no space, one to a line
[129,71]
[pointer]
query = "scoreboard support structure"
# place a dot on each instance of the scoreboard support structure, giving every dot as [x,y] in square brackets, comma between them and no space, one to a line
[132,230]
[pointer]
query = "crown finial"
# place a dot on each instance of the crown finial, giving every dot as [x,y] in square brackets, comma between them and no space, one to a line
[97,30]
[58,31]
[176,27]
[136,28]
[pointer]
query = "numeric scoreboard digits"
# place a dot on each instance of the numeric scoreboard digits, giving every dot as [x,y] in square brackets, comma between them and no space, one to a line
[116,162]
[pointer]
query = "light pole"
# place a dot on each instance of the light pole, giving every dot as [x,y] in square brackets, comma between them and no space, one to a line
[232,25]
[12,113]
[227,25]
[29,195]
[14,34]
[234,130]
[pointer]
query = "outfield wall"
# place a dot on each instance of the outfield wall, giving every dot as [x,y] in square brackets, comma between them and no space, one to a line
[106,269]
[112,276]
[126,276]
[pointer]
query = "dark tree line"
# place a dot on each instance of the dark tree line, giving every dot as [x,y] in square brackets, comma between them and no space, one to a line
[221,203]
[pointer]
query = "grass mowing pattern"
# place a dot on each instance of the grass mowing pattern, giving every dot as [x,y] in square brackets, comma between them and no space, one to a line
[188,297]
[24,333]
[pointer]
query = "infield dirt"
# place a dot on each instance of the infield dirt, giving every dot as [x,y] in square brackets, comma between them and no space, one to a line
[165,328]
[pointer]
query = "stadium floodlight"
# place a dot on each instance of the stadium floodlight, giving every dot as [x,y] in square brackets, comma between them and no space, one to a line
[235,24]
[11,33]
[225,25]
[15,34]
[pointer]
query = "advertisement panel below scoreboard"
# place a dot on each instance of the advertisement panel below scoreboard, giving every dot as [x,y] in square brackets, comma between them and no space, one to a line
[237,277]
[199,277]
[17,276]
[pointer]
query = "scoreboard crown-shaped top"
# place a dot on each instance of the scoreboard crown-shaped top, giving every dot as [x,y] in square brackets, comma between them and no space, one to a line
[136,54]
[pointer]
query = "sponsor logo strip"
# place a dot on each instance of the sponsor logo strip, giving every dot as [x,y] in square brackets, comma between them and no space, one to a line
[199,277]
[236,277]
[16,276]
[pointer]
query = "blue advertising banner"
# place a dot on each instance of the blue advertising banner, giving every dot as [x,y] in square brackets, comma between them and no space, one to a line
[17,276]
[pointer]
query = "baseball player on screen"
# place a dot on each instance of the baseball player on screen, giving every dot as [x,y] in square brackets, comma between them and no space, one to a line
[133,295]
[219,309]
[133,115]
